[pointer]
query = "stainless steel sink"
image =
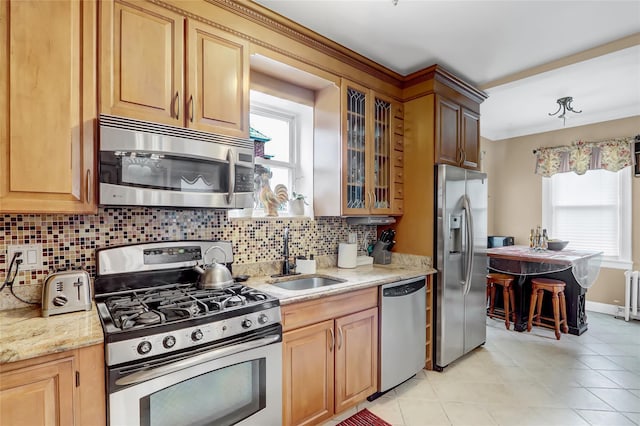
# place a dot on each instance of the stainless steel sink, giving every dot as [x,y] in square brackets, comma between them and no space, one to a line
[308,282]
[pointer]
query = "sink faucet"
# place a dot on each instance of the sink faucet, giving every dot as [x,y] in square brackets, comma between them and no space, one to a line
[287,267]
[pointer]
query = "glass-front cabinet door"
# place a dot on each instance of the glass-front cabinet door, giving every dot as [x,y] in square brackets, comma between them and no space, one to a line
[382,164]
[356,198]
[367,152]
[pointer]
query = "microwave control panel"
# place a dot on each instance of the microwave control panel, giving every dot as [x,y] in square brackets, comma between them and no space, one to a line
[244,179]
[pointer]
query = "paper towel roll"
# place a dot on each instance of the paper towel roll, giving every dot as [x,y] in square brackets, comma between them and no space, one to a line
[347,255]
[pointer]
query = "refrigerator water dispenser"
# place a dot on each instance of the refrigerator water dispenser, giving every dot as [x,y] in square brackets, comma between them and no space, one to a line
[455,236]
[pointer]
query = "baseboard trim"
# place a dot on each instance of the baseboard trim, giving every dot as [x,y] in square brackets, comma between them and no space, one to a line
[603,308]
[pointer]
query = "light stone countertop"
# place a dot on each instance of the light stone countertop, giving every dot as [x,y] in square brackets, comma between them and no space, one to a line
[25,334]
[356,279]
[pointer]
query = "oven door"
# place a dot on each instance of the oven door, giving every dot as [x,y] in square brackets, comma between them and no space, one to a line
[233,385]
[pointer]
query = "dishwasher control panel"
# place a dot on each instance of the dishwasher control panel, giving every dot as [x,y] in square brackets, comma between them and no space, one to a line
[403,289]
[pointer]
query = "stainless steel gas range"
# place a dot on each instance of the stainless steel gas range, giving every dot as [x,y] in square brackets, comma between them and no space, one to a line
[176,354]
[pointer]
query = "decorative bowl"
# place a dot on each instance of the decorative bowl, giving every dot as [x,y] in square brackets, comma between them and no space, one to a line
[556,245]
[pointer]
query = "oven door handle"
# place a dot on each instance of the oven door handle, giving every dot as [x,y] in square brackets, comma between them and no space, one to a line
[144,375]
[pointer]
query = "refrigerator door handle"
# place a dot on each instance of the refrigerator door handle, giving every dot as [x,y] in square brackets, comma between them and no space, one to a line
[466,206]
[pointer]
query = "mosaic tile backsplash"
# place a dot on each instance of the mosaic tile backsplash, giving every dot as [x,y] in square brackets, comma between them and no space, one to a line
[69,241]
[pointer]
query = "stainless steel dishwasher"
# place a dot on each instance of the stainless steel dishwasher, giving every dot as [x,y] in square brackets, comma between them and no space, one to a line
[402,331]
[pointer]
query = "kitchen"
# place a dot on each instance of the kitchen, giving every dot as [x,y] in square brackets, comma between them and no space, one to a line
[71,240]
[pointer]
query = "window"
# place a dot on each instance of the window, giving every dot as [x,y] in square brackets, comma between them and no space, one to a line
[288,155]
[591,211]
[280,151]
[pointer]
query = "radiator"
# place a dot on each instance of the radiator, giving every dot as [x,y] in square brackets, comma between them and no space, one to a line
[631,294]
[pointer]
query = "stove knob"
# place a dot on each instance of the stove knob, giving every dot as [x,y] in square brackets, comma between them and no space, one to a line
[246,323]
[168,342]
[197,335]
[263,319]
[144,348]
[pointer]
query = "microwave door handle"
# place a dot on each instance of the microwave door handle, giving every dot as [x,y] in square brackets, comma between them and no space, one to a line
[144,375]
[232,175]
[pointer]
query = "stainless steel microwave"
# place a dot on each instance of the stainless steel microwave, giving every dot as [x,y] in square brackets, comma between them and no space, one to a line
[148,164]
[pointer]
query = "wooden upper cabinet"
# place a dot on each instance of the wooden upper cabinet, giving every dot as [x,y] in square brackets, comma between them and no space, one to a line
[48,104]
[457,134]
[218,83]
[447,131]
[470,139]
[160,66]
[356,154]
[142,62]
[369,151]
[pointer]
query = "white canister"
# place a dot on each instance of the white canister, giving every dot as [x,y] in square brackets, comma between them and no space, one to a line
[347,255]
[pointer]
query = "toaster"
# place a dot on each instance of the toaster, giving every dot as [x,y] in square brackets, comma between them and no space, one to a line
[66,291]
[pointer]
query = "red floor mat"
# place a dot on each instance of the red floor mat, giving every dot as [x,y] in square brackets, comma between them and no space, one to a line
[364,418]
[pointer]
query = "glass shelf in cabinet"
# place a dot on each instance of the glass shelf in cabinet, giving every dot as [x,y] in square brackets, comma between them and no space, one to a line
[355,149]
[353,114]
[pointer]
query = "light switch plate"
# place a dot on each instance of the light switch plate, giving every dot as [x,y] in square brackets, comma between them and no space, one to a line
[31,256]
[353,238]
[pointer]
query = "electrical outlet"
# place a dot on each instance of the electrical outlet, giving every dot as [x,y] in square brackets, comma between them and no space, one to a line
[353,237]
[31,255]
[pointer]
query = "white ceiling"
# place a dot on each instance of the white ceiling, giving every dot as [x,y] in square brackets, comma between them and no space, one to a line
[484,42]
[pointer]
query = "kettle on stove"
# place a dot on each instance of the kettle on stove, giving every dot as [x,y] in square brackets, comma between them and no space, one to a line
[213,276]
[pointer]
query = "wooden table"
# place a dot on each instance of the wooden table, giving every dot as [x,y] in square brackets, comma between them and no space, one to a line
[577,268]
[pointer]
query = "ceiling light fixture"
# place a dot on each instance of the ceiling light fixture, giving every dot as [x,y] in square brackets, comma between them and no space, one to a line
[564,104]
[395,2]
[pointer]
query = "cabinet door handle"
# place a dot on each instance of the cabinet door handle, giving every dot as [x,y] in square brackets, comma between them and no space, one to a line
[339,338]
[333,340]
[464,157]
[177,104]
[191,103]
[88,188]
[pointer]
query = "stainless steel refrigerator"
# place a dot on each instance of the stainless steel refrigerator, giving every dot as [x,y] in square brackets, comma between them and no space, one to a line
[460,252]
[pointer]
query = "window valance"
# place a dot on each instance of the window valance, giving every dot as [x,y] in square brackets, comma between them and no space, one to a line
[612,155]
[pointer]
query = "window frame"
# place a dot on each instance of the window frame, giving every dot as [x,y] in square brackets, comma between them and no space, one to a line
[294,141]
[300,167]
[623,260]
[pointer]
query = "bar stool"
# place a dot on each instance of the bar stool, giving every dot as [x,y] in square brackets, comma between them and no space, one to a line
[556,287]
[506,281]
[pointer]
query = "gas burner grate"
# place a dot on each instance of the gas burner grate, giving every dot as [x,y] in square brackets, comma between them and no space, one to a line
[177,302]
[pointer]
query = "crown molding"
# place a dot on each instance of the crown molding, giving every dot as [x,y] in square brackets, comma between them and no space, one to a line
[275,22]
[438,73]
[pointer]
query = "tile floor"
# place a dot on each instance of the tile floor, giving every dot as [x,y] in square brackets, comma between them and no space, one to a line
[527,379]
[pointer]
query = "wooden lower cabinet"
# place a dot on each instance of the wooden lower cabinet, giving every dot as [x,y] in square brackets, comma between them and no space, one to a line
[60,389]
[38,395]
[330,365]
[356,358]
[308,374]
